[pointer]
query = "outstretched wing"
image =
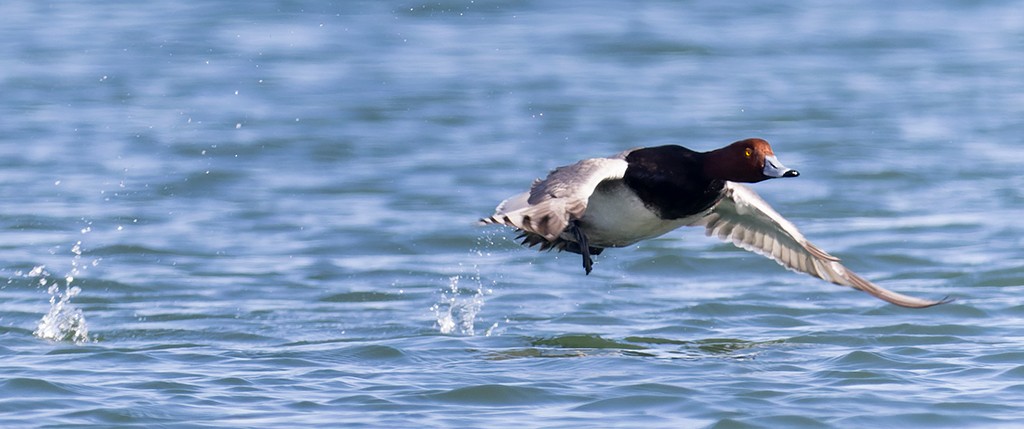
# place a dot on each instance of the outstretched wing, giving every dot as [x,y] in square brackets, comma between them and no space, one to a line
[746,220]
[558,199]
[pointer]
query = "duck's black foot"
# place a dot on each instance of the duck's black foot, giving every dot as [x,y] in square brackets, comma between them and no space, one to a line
[581,239]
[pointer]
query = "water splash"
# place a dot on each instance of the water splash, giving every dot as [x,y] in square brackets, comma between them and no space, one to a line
[64,321]
[456,313]
[458,307]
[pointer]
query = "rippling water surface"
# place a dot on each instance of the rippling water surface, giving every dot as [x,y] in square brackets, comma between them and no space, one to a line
[261,215]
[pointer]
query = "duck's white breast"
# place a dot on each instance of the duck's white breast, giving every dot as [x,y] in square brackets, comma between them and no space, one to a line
[617,217]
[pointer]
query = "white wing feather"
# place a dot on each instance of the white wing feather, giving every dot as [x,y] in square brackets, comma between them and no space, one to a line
[746,220]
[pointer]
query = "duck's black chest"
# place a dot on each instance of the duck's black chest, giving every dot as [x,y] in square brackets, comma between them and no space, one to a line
[670,181]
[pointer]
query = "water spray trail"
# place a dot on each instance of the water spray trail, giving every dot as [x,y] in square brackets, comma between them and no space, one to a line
[456,312]
[64,321]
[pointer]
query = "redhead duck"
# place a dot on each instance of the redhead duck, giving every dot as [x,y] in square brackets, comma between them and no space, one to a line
[646,192]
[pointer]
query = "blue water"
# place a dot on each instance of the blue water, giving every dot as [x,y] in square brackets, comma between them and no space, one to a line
[232,214]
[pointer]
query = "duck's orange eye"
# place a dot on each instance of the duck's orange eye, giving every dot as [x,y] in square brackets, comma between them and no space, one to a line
[748,152]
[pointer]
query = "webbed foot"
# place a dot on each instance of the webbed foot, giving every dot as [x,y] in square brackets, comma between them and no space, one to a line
[581,239]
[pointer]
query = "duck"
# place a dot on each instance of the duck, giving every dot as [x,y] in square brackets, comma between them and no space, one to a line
[646,192]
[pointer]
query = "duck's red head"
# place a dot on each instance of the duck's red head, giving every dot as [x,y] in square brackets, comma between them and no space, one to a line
[750,160]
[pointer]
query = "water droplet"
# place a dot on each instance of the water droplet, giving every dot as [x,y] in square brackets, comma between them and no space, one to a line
[36,271]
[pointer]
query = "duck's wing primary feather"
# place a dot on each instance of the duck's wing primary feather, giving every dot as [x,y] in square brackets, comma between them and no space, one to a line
[558,199]
[746,220]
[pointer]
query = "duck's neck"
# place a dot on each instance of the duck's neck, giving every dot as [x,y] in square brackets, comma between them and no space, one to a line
[715,164]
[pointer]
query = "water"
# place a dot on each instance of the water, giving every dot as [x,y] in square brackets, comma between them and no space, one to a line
[261,215]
